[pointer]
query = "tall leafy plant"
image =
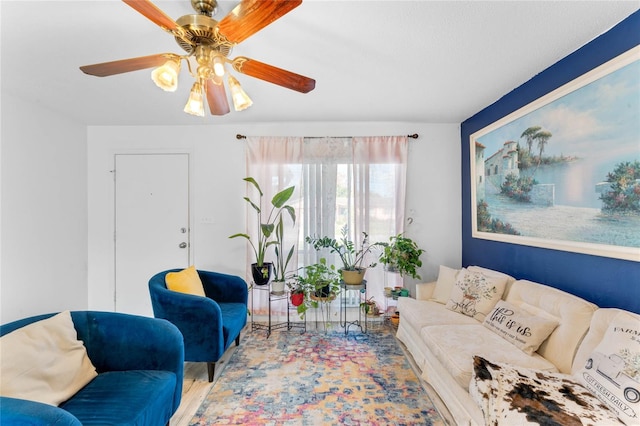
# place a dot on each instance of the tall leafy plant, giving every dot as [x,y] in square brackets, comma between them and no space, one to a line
[269,218]
[351,256]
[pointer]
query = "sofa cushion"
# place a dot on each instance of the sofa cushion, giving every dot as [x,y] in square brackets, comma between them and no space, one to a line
[134,397]
[44,361]
[455,347]
[185,281]
[518,327]
[574,313]
[444,285]
[510,395]
[421,313]
[475,294]
[612,371]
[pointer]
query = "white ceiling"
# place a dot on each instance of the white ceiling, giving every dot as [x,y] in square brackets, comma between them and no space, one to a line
[407,61]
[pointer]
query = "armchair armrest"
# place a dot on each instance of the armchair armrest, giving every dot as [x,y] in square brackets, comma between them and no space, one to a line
[120,342]
[15,411]
[224,288]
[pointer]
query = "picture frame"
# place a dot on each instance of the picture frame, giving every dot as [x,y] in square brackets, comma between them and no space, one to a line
[563,172]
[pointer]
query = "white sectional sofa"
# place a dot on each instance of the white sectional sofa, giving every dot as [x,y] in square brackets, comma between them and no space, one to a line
[443,331]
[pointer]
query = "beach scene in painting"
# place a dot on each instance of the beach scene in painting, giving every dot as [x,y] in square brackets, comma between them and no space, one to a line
[568,170]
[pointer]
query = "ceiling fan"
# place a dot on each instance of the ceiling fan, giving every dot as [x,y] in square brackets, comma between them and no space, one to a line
[210,42]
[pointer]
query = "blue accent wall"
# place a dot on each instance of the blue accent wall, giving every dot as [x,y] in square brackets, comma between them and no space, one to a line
[604,281]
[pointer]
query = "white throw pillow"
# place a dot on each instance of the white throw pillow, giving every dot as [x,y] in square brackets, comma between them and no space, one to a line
[475,294]
[446,280]
[44,361]
[516,326]
[612,372]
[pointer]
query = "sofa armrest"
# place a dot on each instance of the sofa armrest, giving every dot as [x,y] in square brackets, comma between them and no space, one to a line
[224,288]
[424,291]
[15,411]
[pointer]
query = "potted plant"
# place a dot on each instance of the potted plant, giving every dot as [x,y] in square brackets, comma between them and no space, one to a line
[296,294]
[370,307]
[266,221]
[351,256]
[318,282]
[402,255]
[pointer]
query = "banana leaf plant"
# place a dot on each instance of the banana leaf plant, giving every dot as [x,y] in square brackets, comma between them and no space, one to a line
[270,224]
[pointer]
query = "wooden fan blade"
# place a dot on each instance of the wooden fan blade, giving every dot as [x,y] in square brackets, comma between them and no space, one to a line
[273,74]
[217,98]
[250,16]
[127,65]
[153,13]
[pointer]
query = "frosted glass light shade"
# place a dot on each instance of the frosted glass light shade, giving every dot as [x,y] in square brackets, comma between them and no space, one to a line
[241,100]
[195,104]
[166,75]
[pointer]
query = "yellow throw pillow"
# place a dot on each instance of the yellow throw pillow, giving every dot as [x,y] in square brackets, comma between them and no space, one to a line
[185,281]
[44,361]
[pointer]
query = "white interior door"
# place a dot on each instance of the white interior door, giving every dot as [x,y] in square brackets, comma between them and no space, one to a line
[151,224]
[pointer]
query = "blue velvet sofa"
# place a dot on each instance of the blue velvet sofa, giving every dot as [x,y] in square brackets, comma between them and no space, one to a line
[209,325]
[140,364]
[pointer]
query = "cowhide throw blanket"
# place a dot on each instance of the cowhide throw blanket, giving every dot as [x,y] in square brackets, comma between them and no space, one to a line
[511,395]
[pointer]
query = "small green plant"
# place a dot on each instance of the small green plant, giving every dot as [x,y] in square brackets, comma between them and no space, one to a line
[351,256]
[319,280]
[401,254]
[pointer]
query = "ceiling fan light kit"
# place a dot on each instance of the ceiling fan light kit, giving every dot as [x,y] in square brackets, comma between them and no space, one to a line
[210,42]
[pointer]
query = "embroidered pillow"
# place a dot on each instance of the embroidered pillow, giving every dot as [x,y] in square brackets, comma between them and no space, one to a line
[516,326]
[44,361]
[612,371]
[446,280]
[475,294]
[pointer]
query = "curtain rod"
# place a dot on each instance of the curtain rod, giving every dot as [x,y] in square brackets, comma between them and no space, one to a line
[413,136]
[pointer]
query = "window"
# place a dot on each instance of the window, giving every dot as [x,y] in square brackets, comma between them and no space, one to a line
[358,182]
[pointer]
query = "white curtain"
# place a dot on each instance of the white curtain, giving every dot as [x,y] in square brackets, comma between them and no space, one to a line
[359,182]
[275,163]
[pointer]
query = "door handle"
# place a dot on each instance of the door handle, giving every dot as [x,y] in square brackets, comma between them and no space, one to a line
[183,245]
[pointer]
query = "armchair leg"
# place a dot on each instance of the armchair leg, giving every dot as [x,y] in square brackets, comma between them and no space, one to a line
[211,368]
[238,340]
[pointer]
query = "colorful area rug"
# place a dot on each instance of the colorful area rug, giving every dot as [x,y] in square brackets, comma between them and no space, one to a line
[318,379]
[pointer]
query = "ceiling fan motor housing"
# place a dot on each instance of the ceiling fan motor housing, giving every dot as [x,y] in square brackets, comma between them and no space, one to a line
[201,30]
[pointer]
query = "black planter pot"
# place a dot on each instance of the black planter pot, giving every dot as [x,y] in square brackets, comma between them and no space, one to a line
[323,291]
[261,274]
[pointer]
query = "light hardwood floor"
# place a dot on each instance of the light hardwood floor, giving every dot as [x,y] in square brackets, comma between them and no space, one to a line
[196,387]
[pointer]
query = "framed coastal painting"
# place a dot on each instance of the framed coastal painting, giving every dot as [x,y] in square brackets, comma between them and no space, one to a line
[563,172]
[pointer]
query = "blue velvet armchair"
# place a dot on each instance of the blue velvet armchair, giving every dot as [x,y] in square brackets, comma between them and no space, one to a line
[208,324]
[139,361]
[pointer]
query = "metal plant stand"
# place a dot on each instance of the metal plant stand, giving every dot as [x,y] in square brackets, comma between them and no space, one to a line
[275,298]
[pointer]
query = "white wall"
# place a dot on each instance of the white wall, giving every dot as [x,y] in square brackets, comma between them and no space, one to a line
[44,211]
[218,166]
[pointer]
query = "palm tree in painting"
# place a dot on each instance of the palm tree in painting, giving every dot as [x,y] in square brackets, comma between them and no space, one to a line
[542,138]
[529,136]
